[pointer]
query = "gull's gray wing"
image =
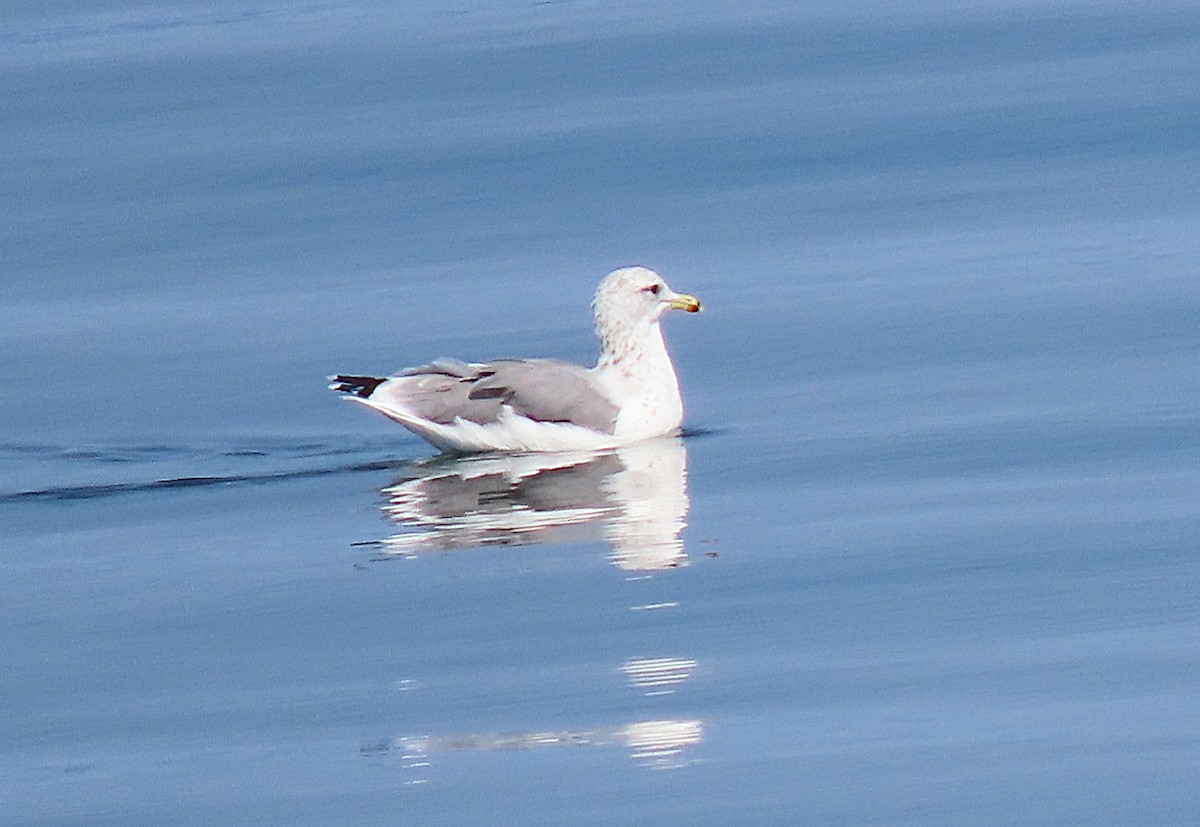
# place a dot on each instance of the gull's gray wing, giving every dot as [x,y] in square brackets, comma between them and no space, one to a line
[547,391]
[540,389]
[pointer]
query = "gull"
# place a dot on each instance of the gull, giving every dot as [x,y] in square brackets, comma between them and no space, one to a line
[534,405]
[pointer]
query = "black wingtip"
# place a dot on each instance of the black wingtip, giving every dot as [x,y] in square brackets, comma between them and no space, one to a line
[362,386]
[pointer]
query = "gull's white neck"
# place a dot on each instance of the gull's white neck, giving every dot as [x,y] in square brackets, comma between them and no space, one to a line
[635,369]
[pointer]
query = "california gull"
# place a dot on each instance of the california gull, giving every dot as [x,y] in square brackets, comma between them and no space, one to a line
[517,405]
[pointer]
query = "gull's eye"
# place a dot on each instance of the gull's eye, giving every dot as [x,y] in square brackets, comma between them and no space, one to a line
[653,289]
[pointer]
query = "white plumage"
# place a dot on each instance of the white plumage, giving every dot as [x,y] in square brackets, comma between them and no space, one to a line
[515,405]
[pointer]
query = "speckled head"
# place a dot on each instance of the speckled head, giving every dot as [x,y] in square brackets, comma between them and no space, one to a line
[634,296]
[628,305]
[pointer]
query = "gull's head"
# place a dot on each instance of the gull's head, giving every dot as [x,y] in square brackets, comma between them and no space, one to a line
[636,296]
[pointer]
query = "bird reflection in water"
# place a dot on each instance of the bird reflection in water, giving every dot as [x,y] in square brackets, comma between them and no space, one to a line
[633,497]
[654,744]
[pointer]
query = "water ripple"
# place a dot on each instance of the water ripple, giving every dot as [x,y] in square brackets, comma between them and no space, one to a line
[62,466]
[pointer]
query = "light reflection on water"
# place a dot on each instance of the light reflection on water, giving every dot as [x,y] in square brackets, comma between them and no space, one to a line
[658,676]
[634,498]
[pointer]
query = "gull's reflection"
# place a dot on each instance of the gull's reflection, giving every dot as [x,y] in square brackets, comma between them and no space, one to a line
[635,498]
[656,744]
[659,744]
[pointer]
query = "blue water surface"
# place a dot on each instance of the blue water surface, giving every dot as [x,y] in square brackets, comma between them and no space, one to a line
[926,554]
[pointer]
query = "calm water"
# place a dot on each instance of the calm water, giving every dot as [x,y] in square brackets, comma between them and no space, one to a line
[926,555]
